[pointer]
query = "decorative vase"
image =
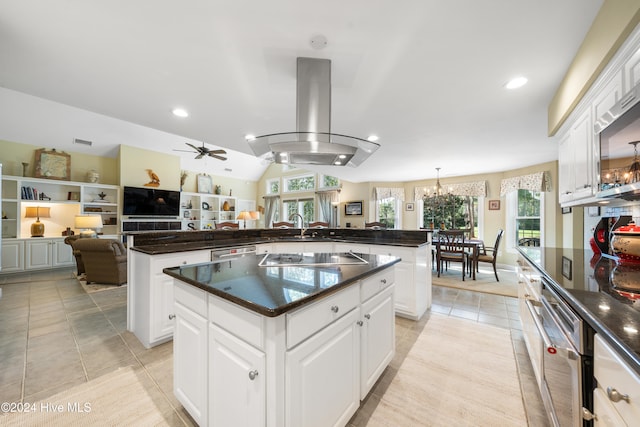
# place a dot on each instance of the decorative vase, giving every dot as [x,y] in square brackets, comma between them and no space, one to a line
[218,189]
[225,206]
[93,176]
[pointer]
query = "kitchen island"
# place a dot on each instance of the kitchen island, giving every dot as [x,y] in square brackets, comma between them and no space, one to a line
[281,339]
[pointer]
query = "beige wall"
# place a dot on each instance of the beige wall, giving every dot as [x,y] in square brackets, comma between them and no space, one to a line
[134,163]
[613,24]
[12,154]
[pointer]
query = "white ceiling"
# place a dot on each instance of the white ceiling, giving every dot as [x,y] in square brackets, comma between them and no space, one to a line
[426,76]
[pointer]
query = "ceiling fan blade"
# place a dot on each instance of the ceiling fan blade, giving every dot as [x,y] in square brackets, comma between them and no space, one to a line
[199,156]
[217,151]
[194,147]
[217,157]
[184,151]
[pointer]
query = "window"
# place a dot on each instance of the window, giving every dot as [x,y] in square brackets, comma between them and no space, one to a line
[304,207]
[387,212]
[327,181]
[452,212]
[300,183]
[273,186]
[525,222]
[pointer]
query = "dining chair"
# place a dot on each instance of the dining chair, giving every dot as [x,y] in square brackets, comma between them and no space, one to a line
[226,225]
[318,224]
[375,225]
[451,249]
[489,255]
[283,224]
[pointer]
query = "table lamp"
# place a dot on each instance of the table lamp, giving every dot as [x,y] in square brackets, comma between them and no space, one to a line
[88,225]
[244,215]
[37,228]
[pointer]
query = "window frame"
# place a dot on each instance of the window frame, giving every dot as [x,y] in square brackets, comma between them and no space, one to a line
[285,184]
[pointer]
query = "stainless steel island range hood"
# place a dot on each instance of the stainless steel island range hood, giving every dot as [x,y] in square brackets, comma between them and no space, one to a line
[313,143]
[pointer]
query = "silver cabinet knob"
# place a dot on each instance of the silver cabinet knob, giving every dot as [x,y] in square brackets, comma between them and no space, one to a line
[615,396]
[383,281]
[335,308]
[172,316]
[359,323]
[367,316]
[253,374]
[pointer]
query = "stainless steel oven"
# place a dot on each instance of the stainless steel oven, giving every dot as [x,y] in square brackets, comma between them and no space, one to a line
[566,362]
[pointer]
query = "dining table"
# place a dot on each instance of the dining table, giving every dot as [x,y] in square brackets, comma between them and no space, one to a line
[473,244]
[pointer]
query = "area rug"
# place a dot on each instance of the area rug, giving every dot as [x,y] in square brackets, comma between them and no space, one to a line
[485,281]
[96,287]
[115,399]
[458,373]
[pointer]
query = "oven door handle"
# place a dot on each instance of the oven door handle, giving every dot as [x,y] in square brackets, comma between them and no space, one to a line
[551,348]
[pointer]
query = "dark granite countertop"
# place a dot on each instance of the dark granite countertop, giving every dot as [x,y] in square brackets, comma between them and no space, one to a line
[180,241]
[272,290]
[603,292]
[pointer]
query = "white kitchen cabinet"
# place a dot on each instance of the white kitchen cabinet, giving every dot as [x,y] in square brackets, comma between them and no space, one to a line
[354,247]
[62,255]
[631,72]
[151,293]
[190,364]
[529,289]
[303,368]
[12,255]
[323,376]
[377,338]
[264,248]
[618,387]
[47,253]
[577,162]
[237,381]
[412,280]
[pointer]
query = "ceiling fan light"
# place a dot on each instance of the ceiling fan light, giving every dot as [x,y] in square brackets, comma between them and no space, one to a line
[249,137]
[180,112]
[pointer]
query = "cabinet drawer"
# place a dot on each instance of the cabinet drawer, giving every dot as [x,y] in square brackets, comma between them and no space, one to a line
[304,322]
[374,284]
[174,260]
[237,320]
[611,371]
[191,297]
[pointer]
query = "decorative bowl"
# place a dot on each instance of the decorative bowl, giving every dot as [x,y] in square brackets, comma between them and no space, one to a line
[625,242]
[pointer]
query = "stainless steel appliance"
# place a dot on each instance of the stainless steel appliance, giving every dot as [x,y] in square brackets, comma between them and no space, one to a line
[567,361]
[219,254]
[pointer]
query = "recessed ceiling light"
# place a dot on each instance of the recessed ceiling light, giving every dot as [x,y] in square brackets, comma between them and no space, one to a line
[337,163]
[372,138]
[249,137]
[180,112]
[516,83]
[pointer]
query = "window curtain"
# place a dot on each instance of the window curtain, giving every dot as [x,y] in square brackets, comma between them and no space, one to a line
[326,200]
[539,181]
[472,189]
[380,193]
[270,209]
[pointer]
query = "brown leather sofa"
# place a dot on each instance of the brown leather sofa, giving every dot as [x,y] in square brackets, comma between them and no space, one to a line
[70,240]
[105,260]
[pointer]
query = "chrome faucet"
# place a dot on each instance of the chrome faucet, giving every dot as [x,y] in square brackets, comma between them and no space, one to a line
[302,229]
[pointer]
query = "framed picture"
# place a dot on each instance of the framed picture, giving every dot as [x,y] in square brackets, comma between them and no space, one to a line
[566,210]
[53,164]
[494,205]
[410,206]
[353,208]
[205,185]
[566,267]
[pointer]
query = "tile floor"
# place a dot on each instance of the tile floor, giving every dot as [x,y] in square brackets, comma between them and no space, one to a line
[54,336]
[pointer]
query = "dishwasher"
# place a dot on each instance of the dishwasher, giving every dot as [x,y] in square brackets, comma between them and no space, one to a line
[232,252]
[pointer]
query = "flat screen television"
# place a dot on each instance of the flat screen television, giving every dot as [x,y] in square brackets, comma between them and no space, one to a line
[150,202]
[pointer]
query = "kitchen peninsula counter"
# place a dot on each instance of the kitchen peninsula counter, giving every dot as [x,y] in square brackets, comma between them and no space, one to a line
[594,288]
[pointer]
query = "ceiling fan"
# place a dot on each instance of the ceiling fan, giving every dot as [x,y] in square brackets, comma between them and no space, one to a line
[204,151]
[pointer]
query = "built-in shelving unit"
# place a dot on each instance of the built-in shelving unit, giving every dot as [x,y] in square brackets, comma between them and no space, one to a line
[200,211]
[65,200]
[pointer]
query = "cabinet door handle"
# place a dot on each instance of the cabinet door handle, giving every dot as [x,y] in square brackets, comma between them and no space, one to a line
[359,323]
[615,396]
[367,316]
[172,316]
[383,281]
[253,374]
[335,308]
